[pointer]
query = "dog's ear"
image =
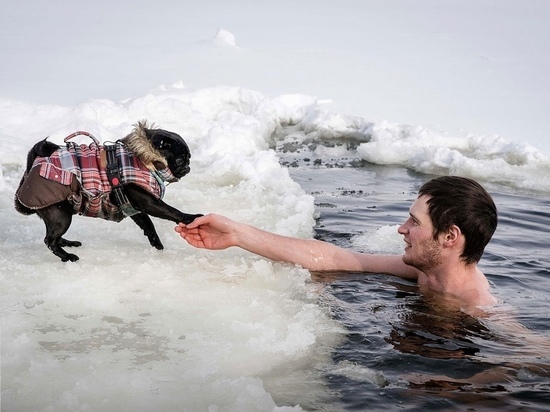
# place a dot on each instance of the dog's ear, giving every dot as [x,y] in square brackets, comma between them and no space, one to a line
[160,143]
[156,140]
[160,139]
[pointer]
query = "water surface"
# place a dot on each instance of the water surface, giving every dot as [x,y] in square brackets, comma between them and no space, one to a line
[407,351]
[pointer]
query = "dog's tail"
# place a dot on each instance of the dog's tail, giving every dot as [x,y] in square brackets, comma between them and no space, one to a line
[41,149]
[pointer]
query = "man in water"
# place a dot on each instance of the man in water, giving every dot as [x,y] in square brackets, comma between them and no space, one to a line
[450,223]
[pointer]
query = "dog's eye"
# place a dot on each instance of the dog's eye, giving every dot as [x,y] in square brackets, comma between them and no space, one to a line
[179,161]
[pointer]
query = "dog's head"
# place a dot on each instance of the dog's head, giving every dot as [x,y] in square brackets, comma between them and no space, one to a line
[161,148]
[173,148]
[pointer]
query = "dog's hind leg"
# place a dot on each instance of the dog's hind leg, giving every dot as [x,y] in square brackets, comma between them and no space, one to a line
[146,224]
[58,218]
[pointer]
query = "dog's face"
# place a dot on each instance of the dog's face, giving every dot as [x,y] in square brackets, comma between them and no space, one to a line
[173,148]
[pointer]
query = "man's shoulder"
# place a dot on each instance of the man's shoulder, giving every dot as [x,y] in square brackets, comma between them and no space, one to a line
[478,298]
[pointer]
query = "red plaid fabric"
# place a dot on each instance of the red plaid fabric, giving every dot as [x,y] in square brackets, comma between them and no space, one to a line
[84,163]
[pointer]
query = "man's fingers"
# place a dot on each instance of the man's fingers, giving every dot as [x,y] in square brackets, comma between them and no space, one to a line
[201,220]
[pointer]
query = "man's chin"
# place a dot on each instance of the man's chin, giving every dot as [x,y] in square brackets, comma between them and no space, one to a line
[407,259]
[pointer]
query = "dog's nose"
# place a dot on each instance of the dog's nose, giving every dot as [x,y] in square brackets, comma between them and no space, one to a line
[182,171]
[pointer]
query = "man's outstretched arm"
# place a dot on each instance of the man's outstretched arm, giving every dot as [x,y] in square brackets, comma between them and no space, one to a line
[217,232]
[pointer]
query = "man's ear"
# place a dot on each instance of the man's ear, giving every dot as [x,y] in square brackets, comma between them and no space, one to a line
[452,235]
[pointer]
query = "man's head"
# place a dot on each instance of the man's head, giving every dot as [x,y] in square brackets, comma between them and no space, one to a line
[463,202]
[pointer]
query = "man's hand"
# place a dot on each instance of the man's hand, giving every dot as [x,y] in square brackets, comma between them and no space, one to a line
[212,232]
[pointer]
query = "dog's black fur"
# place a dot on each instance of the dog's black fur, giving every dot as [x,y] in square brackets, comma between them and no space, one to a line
[58,217]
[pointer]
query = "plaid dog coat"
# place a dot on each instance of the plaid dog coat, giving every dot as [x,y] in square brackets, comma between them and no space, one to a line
[81,170]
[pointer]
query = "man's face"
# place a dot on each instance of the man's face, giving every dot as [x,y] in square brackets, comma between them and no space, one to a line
[421,250]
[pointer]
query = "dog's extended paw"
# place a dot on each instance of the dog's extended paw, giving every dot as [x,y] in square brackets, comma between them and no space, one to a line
[189,218]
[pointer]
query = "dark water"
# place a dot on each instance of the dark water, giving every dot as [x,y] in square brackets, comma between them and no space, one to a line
[424,356]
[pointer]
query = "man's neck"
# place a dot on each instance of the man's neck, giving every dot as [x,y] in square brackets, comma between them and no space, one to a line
[464,282]
[448,278]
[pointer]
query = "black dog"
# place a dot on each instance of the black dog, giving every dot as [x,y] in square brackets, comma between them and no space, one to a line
[111,182]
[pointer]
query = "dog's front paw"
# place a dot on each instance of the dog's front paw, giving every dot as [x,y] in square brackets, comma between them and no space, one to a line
[189,218]
[156,243]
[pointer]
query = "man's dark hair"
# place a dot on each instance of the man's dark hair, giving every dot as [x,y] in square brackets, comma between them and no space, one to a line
[465,203]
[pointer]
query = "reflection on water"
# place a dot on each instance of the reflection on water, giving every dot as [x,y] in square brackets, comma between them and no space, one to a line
[423,347]
[432,329]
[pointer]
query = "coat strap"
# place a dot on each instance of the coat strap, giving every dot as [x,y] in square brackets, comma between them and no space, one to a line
[115,179]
